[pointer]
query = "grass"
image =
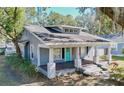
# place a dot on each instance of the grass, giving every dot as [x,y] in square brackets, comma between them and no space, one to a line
[116,58]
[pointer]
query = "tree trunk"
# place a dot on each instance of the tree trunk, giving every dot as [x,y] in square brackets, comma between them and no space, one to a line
[18,51]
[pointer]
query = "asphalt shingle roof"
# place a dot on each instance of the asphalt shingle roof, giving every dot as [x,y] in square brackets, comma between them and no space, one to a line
[49,35]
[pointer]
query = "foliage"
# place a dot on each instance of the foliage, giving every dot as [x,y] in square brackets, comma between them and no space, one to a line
[21,65]
[123,51]
[41,16]
[87,21]
[30,14]
[104,57]
[117,74]
[58,19]
[12,21]
[101,24]
[113,48]
[11,24]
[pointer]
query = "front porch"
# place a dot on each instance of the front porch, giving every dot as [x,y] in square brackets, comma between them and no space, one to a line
[65,67]
[60,61]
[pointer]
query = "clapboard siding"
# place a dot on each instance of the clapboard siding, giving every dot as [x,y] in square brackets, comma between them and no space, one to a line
[33,41]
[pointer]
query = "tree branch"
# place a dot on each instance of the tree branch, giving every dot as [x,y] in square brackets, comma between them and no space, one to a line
[14,17]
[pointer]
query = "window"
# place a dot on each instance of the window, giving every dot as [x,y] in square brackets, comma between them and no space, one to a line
[75,30]
[71,30]
[66,30]
[32,53]
[57,54]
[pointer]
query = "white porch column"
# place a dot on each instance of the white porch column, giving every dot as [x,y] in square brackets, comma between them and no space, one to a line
[96,55]
[51,66]
[38,56]
[109,55]
[78,62]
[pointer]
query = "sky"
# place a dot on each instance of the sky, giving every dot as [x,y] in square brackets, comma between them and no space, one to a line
[64,10]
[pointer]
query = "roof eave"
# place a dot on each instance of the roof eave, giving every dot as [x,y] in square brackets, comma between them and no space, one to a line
[54,45]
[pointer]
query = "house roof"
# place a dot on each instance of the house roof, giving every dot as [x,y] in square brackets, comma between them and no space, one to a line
[50,35]
[114,37]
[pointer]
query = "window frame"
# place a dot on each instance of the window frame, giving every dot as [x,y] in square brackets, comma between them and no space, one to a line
[60,53]
[32,51]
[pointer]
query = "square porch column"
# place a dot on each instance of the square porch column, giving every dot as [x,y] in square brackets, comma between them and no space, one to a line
[51,66]
[109,55]
[96,55]
[38,56]
[78,62]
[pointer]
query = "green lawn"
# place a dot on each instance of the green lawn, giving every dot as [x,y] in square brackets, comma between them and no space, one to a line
[121,58]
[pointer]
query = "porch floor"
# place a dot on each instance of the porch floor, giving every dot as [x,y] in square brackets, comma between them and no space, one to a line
[66,65]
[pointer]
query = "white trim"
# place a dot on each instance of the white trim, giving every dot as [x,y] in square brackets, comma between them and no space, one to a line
[109,55]
[71,53]
[38,56]
[35,36]
[51,58]
[31,51]
[43,46]
[66,45]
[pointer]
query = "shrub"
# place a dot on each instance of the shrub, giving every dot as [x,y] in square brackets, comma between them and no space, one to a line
[113,49]
[104,57]
[118,74]
[123,51]
[22,65]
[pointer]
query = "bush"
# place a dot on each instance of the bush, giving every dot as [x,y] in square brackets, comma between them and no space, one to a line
[118,74]
[113,49]
[104,57]
[123,51]
[21,65]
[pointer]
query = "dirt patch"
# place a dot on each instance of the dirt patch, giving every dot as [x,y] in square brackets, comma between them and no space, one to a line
[7,75]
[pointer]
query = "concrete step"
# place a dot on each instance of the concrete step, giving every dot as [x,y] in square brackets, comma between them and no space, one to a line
[94,70]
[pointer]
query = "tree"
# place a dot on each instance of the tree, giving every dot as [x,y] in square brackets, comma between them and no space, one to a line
[87,21]
[101,23]
[11,24]
[30,14]
[41,16]
[58,19]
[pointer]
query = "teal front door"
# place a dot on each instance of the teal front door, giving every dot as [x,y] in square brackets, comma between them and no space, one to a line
[68,54]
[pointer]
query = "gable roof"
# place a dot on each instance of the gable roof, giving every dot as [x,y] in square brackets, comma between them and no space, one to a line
[49,35]
[114,37]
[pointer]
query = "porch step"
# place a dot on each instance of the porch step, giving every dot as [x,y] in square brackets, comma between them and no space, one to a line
[103,65]
[94,70]
[64,72]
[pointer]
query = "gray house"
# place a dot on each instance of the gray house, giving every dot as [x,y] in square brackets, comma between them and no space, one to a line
[56,50]
[119,43]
